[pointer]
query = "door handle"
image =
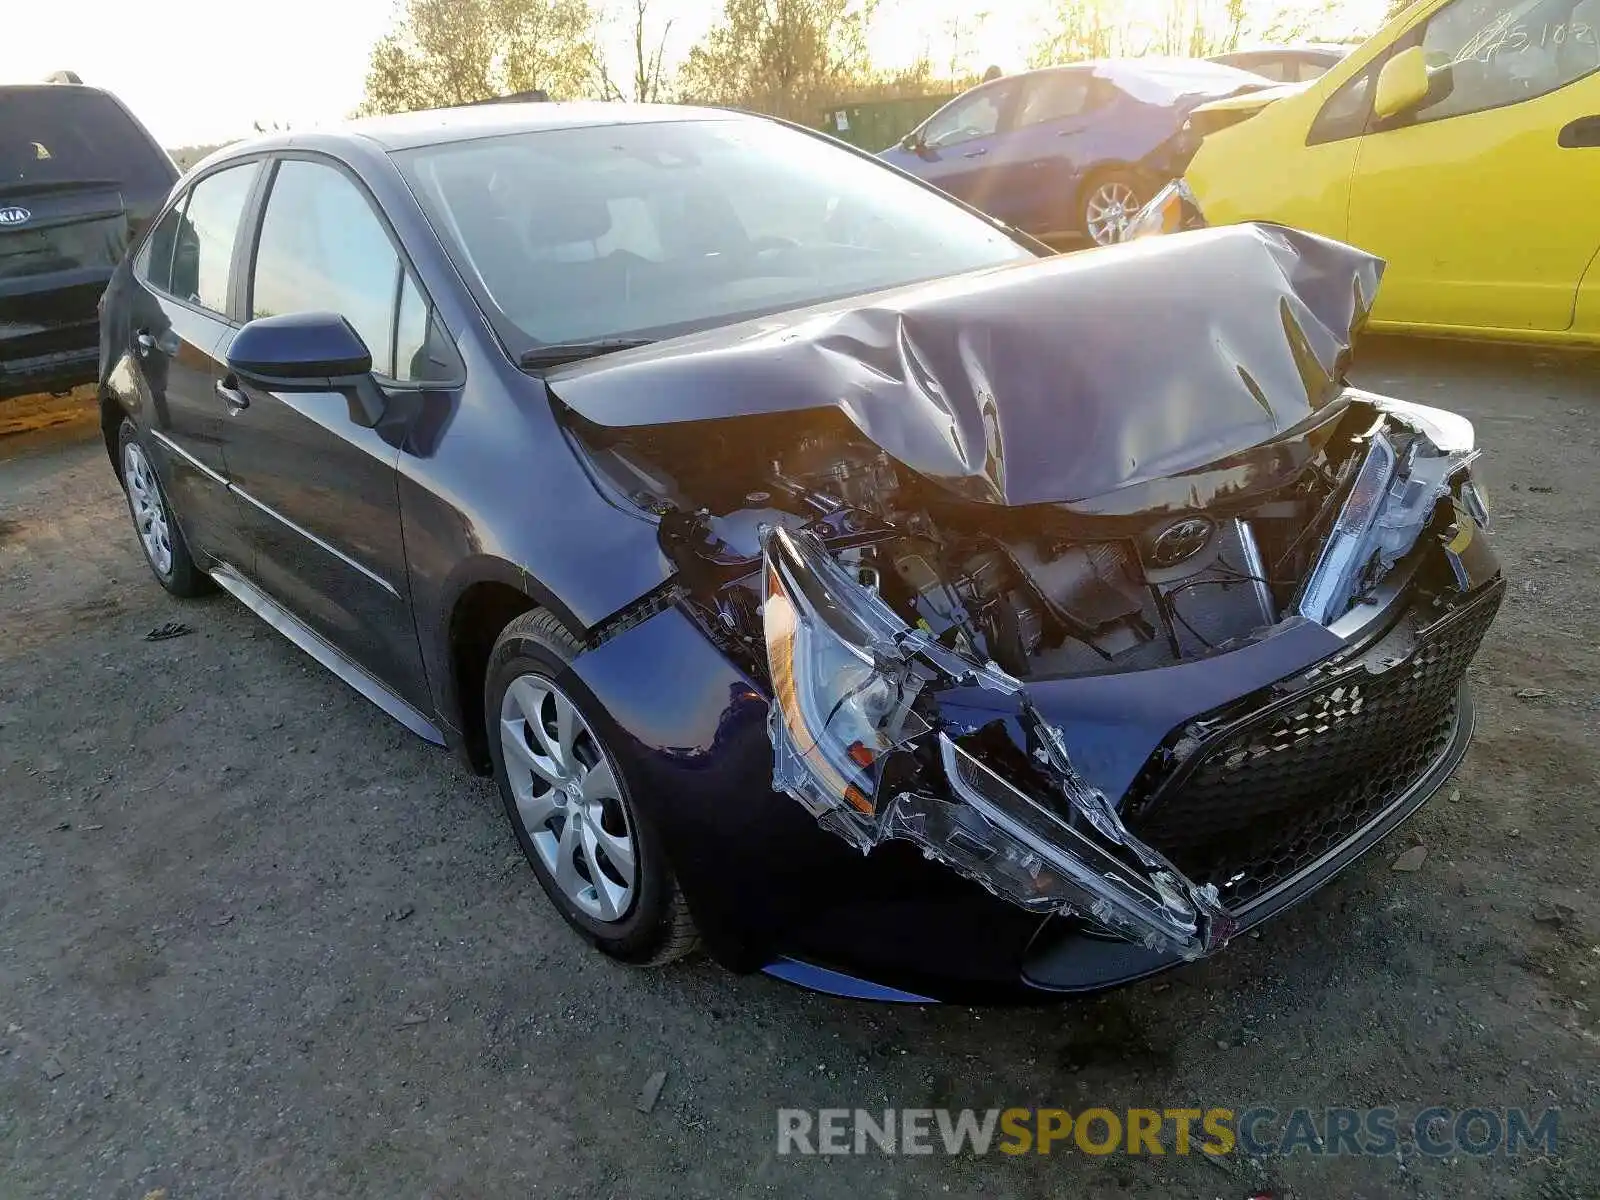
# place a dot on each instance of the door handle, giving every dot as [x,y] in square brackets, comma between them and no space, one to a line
[228,389]
[1585,131]
[975,153]
[145,342]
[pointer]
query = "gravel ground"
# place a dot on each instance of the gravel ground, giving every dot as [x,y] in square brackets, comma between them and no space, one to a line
[255,940]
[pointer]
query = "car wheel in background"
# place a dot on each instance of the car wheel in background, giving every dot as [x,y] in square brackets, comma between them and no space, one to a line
[594,850]
[1109,200]
[159,536]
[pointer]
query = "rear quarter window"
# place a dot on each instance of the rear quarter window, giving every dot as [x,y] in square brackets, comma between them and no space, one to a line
[64,135]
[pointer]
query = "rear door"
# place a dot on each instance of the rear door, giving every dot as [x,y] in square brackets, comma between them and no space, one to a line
[78,178]
[320,492]
[1043,157]
[1486,199]
[168,365]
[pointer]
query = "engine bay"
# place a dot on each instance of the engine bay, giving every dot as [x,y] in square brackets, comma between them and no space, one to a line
[861,591]
[1043,591]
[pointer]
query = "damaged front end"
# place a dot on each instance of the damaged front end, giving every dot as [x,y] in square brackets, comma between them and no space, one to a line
[862,734]
[859,740]
[1274,597]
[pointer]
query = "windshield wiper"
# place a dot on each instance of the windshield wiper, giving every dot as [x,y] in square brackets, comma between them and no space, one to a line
[557,353]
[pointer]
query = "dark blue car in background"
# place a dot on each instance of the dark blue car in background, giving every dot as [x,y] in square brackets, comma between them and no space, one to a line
[1069,150]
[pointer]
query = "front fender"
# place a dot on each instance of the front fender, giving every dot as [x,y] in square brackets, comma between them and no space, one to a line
[760,876]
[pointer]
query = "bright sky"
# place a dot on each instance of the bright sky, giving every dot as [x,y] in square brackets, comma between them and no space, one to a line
[199,71]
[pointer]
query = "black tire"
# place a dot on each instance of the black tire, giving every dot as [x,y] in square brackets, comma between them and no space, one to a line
[182,576]
[656,928]
[1115,177]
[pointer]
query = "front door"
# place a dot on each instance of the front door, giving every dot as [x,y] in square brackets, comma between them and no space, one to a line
[175,326]
[319,491]
[1482,201]
[962,145]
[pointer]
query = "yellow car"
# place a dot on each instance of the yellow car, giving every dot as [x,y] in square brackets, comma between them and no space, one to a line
[1461,143]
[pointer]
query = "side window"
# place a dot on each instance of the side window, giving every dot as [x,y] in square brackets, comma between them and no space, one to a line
[205,234]
[322,248]
[422,352]
[967,118]
[1276,69]
[154,265]
[1498,52]
[1344,114]
[1054,96]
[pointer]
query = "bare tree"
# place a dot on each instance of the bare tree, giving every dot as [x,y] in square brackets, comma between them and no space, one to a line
[961,29]
[1083,29]
[445,52]
[649,84]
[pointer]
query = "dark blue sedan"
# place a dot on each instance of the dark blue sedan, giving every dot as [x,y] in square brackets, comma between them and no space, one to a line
[828,577]
[1068,151]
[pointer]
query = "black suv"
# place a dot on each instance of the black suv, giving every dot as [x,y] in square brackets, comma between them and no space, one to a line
[79,177]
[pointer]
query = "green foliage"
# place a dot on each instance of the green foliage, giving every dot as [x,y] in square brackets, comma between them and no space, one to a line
[790,58]
[446,52]
[1083,29]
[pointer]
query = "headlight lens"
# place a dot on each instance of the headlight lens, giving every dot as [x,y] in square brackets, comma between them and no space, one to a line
[845,673]
[838,713]
[1391,502]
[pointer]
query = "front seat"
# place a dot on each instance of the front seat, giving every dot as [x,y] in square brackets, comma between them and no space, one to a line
[589,288]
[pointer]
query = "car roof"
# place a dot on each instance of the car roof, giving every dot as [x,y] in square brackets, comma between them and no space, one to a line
[1300,50]
[430,127]
[53,88]
[1162,69]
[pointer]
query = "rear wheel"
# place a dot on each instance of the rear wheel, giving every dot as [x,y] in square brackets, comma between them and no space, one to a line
[165,551]
[1109,201]
[594,850]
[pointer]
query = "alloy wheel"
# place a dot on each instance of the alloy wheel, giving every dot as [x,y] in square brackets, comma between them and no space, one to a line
[568,798]
[149,513]
[1109,209]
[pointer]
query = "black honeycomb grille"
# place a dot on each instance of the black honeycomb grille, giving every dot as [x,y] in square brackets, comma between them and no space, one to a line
[1273,792]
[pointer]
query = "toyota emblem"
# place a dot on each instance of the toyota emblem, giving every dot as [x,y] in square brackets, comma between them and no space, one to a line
[1179,541]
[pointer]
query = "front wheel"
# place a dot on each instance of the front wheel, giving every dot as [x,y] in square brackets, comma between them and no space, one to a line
[165,551]
[1110,200]
[591,845]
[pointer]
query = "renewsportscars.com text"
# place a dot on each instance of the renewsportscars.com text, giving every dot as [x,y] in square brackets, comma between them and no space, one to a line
[1259,1132]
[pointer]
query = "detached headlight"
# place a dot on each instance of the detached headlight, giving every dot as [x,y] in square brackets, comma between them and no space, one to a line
[1171,209]
[841,695]
[849,746]
[1392,501]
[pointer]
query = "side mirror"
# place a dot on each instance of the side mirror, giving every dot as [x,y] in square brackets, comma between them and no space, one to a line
[913,142]
[309,352]
[312,346]
[1402,84]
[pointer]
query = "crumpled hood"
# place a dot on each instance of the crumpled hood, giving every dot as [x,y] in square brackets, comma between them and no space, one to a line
[1054,381]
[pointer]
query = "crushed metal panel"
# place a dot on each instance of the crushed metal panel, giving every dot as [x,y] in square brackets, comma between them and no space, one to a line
[835,754]
[1055,381]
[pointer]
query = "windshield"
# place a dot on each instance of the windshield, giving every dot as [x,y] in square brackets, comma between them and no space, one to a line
[653,229]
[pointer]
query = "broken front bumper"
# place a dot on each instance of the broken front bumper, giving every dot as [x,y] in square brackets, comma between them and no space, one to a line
[1237,812]
[850,746]
[1270,800]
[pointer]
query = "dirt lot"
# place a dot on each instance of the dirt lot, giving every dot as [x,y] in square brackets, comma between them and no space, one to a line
[255,940]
